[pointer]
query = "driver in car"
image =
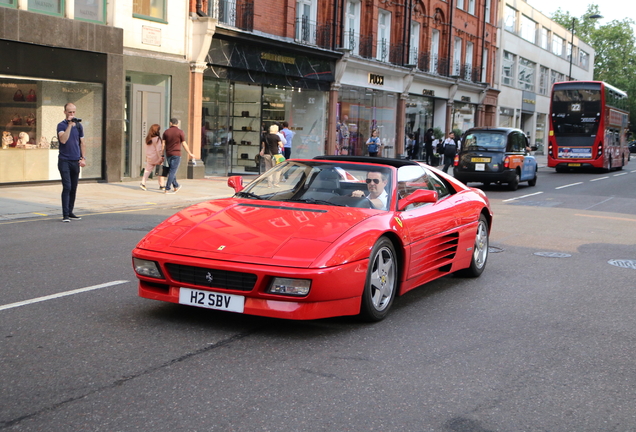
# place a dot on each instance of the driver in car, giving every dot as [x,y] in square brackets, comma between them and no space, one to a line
[376,182]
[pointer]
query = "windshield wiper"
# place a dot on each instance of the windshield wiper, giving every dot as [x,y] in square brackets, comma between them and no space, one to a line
[316,201]
[249,195]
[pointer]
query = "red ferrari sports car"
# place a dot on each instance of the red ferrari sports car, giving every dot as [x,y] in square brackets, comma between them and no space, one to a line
[308,239]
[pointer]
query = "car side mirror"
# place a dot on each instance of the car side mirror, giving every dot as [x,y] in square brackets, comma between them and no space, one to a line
[236,183]
[419,196]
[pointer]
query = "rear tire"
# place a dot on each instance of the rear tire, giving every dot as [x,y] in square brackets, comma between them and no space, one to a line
[514,185]
[533,182]
[480,251]
[382,282]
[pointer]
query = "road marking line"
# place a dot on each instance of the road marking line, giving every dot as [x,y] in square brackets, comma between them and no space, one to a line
[572,184]
[607,217]
[40,214]
[522,196]
[62,294]
[620,174]
[600,178]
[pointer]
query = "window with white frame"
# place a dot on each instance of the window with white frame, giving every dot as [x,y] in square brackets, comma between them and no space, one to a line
[510,19]
[487,13]
[507,73]
[484,66]
[384,35]
[468,61]
[528,29]
[460,4]
[415,43]
[544,41]
[306,21]
[434,60]
[556,77]
[471,7]
[584,59]
[544,80]
[352,27]
[557,45]
[527,70]
[457,57]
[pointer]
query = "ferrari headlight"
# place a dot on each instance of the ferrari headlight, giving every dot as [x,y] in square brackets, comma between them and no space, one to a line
[287,286]
[147,268]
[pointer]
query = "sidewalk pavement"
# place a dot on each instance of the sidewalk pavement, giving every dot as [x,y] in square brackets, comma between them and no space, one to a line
[44,201]
[38,201]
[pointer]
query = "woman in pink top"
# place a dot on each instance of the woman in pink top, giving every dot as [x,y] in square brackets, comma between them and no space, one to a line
[154,155]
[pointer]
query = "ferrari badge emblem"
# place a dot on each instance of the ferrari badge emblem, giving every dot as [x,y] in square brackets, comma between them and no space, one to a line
[221,247]
[399,221]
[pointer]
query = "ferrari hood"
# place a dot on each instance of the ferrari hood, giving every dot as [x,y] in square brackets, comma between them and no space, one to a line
[253,231]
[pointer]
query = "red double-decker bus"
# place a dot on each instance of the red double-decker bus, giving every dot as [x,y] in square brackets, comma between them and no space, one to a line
[589,123]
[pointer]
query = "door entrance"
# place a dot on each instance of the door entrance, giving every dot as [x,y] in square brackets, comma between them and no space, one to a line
[147,109]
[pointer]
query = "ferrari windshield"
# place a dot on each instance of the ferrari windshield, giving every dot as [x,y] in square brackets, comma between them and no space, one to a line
[324,183]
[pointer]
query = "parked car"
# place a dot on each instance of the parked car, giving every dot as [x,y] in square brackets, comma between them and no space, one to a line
[308,239]
[495,155]
[632,146]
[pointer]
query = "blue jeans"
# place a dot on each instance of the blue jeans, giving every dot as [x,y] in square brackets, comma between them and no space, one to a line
[173,162]
[69,171]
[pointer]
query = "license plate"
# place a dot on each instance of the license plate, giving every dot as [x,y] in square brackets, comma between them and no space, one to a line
[475,159]
[480,167]
[211,300]
[574,164]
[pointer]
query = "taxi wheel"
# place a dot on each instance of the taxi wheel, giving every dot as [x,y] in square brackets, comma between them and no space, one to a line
[382,282]
[480,251]
[514,185]
[533,182]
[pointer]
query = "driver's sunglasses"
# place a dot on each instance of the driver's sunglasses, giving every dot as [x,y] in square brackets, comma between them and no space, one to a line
[376,181]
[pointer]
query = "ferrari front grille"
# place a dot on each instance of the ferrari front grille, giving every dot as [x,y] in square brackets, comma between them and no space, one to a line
[212,278]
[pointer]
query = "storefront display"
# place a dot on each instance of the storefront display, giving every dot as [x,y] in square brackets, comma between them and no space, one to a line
[29,113]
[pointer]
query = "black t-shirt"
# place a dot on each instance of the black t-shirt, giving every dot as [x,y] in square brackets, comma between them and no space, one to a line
[271,143]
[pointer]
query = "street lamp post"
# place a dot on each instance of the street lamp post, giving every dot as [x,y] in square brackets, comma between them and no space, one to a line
[595,16]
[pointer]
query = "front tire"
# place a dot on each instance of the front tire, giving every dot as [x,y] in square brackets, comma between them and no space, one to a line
[480,251]
[382,282]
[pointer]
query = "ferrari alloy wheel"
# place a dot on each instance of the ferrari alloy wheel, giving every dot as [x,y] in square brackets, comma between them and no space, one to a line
[480,251]
[381,286]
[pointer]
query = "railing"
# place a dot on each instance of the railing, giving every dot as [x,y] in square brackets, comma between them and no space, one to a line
[310,33]
[236,14]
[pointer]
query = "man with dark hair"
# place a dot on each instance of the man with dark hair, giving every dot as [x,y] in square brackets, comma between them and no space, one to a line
[289,136]
[173,139]
[376,183]
[70,134]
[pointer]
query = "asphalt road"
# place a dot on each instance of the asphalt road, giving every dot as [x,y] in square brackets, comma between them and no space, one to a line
[536,343]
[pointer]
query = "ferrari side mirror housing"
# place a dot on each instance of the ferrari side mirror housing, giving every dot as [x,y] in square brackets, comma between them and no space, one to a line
[419,196]
[236,183]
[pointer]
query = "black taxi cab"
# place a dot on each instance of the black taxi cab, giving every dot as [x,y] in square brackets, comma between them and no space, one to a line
[495,155]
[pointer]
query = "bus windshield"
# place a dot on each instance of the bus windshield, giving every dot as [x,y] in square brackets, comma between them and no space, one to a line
[576,112]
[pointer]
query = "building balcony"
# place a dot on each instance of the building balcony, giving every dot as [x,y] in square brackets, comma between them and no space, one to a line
[311,33]
[239,14]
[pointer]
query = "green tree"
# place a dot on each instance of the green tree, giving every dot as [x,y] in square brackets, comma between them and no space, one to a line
[615,47]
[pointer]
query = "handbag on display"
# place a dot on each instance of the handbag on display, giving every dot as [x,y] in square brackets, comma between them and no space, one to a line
[18,96]
[16,120]
[55,143]
[30,119]
[31,97]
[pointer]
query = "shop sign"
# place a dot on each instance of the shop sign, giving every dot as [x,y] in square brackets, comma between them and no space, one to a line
[278,58]
[466,99]
[428,92]
[376,79]
[151,36]
[528,101]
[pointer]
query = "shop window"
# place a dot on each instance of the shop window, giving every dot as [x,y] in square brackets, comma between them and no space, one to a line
[52,7]
[150,9]
[30,111]
[8,3]
[90,10]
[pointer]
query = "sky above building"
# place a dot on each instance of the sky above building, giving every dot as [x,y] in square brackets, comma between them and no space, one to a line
[610,9]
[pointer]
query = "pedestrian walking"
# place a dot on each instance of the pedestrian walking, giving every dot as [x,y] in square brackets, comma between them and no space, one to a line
[173,139]
[289,136]
[71,158]
[373,143]
[429,137]
[154,155]
[451,144]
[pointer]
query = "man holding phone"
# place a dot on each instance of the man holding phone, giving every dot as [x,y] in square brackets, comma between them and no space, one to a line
[72,157]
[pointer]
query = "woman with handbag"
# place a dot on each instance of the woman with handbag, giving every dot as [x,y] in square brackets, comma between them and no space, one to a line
[154,155]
